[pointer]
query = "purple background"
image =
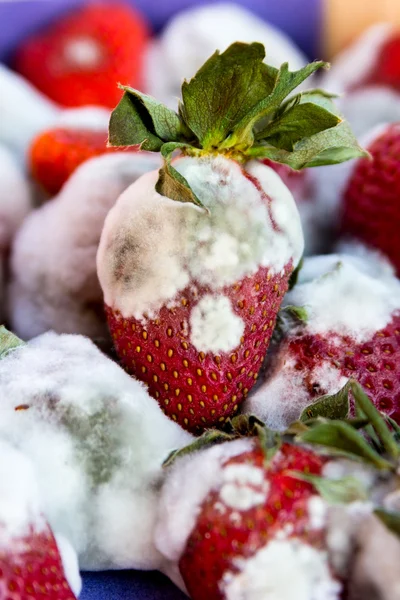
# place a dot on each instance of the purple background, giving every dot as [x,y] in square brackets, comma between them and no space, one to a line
[301,20]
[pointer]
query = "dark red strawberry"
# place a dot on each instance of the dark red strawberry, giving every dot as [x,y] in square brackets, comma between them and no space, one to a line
[352,329]
[194,259]
[55,154]
[198,388]
[370,204]
[31,567]
[252,506]
[269,518]
[386,67]
[81,59]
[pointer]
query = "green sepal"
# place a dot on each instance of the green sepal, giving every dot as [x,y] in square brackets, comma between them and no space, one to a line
[8,342]
[341,438]
[376,420]
[331,406]
[295,274]
[296,313]
[289,317]
[208,439]
[335,491]
[390,518]
[140,119]
[299,122]
[329,147]
[173,185]
[285,82]
[224,90]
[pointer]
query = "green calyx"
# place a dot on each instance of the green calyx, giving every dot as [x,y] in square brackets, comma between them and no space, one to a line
[8,342]
[238,106]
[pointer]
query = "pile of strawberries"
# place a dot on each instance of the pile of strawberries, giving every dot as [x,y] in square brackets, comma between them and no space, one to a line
[177,242]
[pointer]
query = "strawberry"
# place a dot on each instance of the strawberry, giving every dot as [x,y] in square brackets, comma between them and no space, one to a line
[56,153]
[30,563]
[80,59]
[253,518]
[386,68]
[372,60]
[73,411]
[351,329]
[194,260]
[370,210]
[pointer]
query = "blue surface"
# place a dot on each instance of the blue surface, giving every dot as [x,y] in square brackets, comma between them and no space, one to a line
[18,18]
[128,585]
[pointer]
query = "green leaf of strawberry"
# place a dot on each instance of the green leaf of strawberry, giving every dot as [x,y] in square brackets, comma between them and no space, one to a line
[328,147]
[140,119]
[8,342]
[237,105]
[390,518]
[336,491]
[343,438]
[297,123]
[335,406]
[224,91]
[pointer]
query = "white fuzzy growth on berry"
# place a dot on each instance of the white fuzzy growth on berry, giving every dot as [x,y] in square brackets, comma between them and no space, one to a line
[15,197]
[332,289]
[20,508]
[317,512]
[244,486]
[152,247]
[54,282]
[282,570]
[214,327]
[97,442]
[19,125]
[70,565]
[192,36]
[333,300]
[188,484]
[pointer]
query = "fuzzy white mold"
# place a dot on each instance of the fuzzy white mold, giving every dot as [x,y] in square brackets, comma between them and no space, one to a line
[89,430]
[214,327]
[331,289]
[152,247]
[53,264]
[283,569]
[185,489]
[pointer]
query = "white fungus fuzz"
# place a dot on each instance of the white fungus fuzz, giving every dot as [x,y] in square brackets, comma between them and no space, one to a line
[243,487]
[53,264]
[188,483]
[331,288]
[21,513]
[70,564]
[15,203]
[214,327]
[333,300]
[20,507]
[192,36]
[97,442]
[282,570]
[19,124]
[152,247]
